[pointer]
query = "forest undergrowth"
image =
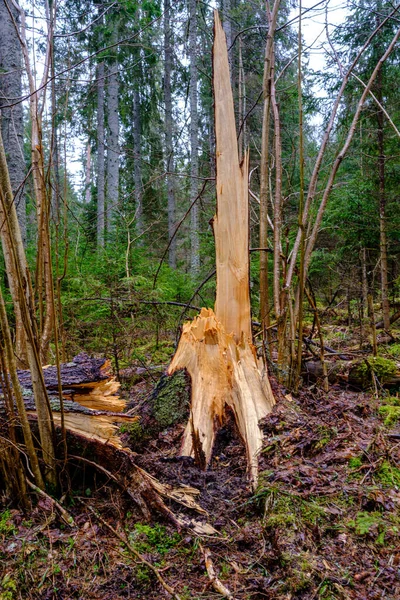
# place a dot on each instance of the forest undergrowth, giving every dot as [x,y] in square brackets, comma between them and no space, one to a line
[323,523]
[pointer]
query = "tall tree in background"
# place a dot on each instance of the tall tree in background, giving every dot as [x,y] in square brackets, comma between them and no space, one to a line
[12,126]
[113,127]
[100,85]
[194,139]
[169,148]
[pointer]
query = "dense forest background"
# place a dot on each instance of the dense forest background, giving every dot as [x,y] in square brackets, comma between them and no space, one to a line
[150,447]
[127,143]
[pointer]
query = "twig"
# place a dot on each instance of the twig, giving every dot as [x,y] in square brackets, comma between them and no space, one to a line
[136,554]
[216,583]
[64,514]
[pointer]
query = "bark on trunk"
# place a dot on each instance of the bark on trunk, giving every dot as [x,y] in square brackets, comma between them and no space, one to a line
[382,208]
[169,149]
[12,127]
[88,192]
[216,348]
[18,273]
[100,156]
[194,140]
[113,136]
[137,149]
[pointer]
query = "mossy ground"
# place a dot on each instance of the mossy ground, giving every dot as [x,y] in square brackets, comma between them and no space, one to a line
[323,523]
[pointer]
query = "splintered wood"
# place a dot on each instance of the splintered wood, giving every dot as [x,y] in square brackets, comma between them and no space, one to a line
[216,347]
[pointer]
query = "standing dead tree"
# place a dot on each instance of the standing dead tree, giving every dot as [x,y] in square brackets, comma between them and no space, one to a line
[216,347]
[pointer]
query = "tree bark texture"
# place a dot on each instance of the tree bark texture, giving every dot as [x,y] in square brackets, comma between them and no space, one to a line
[194,139]
[12,126]
[113,135]
[100,156]
[18,274]
[169,148]
[137,149]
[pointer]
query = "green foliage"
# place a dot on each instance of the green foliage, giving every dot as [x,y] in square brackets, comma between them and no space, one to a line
[6,527]
[365,521]
[153,538]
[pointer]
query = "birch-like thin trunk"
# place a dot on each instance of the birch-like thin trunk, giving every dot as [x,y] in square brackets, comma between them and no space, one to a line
[194,140]
[44,281]
[264,170]
[113,135]
[18,274]
[100,156]
[169,149]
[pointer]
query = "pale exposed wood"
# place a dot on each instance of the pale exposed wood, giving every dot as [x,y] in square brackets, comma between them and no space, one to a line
[216,347]
[224,374]
[231,223]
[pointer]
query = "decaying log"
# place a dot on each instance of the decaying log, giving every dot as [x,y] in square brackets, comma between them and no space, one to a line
[92,404]
[358,373]
[93,411]
[216,347]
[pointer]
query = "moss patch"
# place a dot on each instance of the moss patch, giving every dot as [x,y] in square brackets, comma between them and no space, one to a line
[171,399]
[382,368]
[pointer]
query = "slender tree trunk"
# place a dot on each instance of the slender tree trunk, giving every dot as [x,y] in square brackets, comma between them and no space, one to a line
[194,140]
[364,281]
[169,149]
[88,192]
[113,135]
[12,126]
[55,159]
[18,273]
[264,170]
[137,168]
[12,129]
[100,156]
[382,207]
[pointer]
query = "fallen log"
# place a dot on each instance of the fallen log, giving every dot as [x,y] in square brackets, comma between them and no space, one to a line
[395,317]
[358,373]
[93,411]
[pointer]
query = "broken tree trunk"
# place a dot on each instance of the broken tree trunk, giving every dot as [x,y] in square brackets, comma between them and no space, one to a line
[216,347]
[93,412]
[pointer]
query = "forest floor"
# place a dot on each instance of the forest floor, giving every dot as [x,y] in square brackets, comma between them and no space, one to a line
[324,522]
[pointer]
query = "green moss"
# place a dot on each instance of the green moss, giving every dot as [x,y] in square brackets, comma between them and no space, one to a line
[8,589]
[136,434]
[355,462]
[388,474]
[394,350]
[147,538]
[171,399]
[390,414]
[364,522]
[383,368]
[326,435]
[6,527]
[282,509]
